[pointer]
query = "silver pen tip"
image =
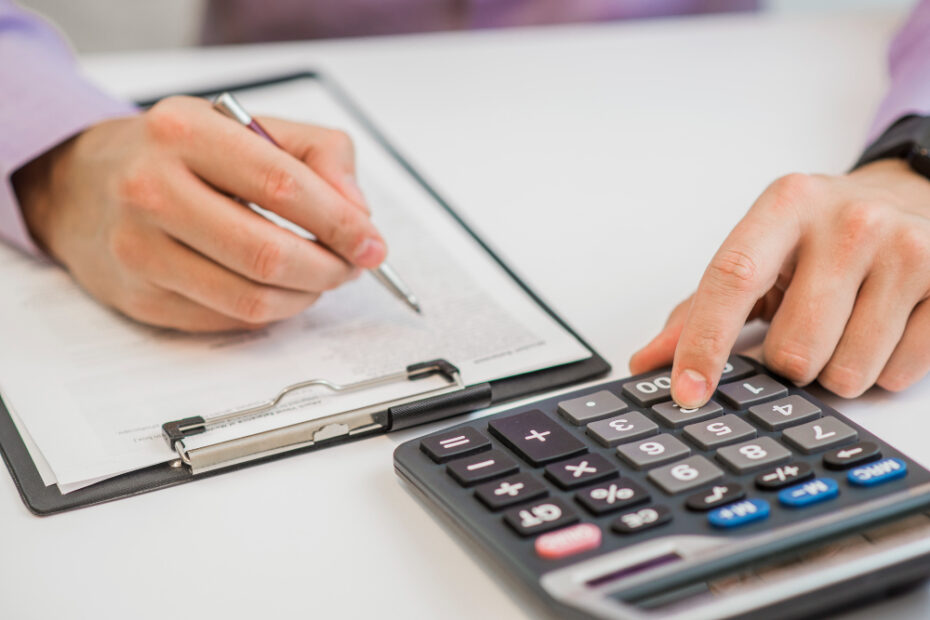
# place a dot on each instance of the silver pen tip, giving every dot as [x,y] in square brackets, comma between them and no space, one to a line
[415,304]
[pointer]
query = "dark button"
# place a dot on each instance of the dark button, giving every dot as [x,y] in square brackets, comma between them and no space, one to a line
[642,519]
[580,470]
[536,437]
[611,496]
[540,516]
[736,368]
[784,475]
[484,466]
[842,458]
[744,392]
[511,490]
[455,443]
[717,495]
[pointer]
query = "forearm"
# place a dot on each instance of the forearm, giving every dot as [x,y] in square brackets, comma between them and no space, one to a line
[43,101]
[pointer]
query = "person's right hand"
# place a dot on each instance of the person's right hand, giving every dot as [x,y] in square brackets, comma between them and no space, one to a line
[139,211]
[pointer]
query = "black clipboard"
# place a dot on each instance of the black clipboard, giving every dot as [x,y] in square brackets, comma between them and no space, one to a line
[456,400]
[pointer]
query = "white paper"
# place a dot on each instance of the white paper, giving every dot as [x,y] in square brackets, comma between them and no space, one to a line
[93,387]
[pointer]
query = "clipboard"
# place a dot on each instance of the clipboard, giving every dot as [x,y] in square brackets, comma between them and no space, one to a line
[451,399]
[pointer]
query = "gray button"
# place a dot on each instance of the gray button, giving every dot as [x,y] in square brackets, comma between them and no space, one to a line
[653,451]
[626,427]
[819,435]
[751,390]
[784,412]
[671,414]
[649,390]
[719,432]
[591,407]
[736,368]
[753,454]
[687,474]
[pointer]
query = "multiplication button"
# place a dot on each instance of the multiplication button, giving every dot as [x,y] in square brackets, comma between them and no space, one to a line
[783,412]
[580,470]
[626,427]
[591,407]
[453,444]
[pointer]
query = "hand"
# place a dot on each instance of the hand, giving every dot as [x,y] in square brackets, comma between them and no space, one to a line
[139,211]
[841,268]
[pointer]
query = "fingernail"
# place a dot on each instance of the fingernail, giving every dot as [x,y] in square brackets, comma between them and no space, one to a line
[353,191]
[369,251]
[690,388]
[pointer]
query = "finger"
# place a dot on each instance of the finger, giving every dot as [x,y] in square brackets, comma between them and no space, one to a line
[743,270]
[910,361]
[661,349]
[874,330]
[179,269]
[163,308]
[329,152]
[240,162]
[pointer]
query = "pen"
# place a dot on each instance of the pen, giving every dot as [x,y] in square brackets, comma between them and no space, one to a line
[384,273]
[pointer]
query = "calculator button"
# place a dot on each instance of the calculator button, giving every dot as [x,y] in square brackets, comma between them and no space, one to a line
[745,392]
[671,414]
[591,407]
[649,390]
[536,437]
[453,444]
[739,513]
[877,473]
[484,466]
[626,427]
[783,475]
[611,496]
[784,412]
[820,434]
[807,493]
[850,456]
[715,496]
[719,432]
[653,451]
[511,490]
[642,519]
[571,540]
[753,454]
[685,475]
[580,470]
[736,368]
[541,516]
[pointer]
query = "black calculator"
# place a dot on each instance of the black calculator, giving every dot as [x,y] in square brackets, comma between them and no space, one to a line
[613,502]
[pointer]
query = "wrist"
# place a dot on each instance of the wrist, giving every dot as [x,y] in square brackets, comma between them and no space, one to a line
[33,186]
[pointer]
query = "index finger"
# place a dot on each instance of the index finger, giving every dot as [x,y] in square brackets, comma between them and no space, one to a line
[743,270]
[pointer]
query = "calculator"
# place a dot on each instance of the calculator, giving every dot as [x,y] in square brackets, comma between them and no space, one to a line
[613,502]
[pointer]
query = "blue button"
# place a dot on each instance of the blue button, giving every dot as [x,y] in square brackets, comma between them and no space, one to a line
[807,493]
[877,472]
[739,513]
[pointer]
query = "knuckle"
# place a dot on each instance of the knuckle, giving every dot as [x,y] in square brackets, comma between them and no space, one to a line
[913,248]
[340,140]
[788,190]
[896,381]
[255,306]
[140,189]
[792,363]
[860,220]
[280,187]
[733,269]
[708,341]
[128,250]
[843,380]
[168,121]
[269,262]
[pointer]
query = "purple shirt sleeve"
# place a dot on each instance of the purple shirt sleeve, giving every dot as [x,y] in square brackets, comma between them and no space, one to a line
[43,101]
[909,59]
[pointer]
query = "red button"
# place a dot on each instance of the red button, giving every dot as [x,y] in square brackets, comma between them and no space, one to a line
[568,541]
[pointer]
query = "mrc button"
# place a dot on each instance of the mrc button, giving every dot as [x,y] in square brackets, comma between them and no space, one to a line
[877,472]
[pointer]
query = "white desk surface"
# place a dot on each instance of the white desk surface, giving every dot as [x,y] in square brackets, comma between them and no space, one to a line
[606,163]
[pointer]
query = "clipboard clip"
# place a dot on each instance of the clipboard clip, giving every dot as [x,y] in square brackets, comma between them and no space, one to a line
[364,420]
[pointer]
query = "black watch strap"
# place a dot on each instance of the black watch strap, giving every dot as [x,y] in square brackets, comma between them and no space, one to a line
[908,138]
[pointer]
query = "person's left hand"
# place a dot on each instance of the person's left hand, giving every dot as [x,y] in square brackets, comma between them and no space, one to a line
[839,265]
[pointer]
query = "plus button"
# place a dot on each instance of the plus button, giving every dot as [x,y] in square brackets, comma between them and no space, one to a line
[534,434]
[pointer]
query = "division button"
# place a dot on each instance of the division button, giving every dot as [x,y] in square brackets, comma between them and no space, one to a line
[807,493]
[671,414]
[784,412]
[649,390]
[642,519]
[753,454]
[685,475]
[536,437]
[580,470]
[821,434]
[541,516]
[736,368]
[877,473]
[481,467]
[611,496]
[571,540]
[653,451]
[715,496]
[509,491]
[745,392]
[739,513]
[591,407]
[783,475]
[719,432]
[850,456]
[626,427]
[455,443]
